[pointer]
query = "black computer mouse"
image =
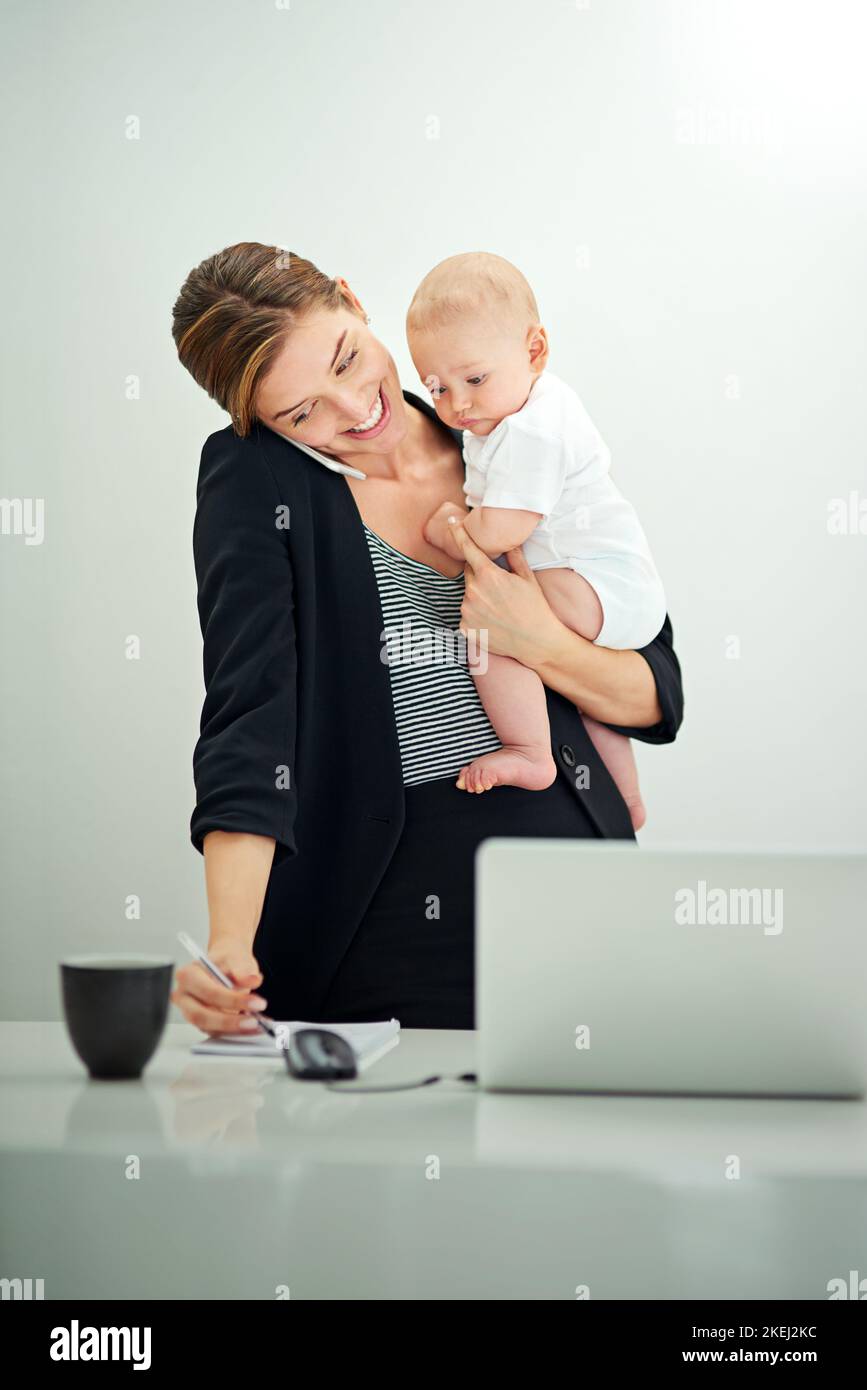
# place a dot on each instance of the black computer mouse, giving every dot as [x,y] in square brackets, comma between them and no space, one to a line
[315,1054]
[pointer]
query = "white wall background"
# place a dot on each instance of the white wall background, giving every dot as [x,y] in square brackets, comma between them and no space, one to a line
[685,184]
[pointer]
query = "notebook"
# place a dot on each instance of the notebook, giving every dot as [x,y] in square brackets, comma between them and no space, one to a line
[369,1041]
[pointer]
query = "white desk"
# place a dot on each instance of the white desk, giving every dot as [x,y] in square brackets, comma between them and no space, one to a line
[249,1181]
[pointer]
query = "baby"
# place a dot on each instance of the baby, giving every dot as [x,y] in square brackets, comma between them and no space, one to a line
[536,476]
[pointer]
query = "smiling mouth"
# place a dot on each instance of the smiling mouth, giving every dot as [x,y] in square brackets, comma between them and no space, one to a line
[373,419]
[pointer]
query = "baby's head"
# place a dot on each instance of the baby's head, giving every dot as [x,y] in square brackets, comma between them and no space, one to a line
[474,335]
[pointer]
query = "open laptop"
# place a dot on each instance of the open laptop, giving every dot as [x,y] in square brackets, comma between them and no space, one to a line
[602,966]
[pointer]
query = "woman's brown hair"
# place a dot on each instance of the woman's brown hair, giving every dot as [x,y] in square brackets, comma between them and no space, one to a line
[232,315]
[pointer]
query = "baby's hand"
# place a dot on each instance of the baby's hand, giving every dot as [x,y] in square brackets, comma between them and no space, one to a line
[439,533]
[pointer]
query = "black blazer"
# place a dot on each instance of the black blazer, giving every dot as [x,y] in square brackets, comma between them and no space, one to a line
[298,738]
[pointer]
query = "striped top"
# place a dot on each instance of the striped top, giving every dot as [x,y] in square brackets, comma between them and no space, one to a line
[441,723]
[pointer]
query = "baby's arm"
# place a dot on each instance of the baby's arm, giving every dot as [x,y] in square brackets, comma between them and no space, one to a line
[439,533]
[498,529]
[494,529]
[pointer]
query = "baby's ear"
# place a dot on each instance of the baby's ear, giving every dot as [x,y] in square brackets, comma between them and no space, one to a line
[537,346]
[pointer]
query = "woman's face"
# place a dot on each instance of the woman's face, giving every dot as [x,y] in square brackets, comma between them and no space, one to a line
[333,375]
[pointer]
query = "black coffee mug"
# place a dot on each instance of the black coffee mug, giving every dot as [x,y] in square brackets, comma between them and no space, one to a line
[116,1009]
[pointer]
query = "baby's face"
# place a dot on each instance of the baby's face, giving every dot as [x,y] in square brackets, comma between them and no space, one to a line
[476,372]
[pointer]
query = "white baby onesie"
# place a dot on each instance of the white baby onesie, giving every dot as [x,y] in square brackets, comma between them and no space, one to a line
[549,457]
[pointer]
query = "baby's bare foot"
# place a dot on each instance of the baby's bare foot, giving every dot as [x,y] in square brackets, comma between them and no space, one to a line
[531,768]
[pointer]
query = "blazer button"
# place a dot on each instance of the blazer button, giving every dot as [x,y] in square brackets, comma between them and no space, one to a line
[567,753]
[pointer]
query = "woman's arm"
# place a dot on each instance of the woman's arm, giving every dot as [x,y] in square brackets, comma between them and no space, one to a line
[244,818]
[237,868]
[637,693]
[243,760]
[236,875]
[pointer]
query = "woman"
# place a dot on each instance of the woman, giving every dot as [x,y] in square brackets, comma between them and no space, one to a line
[338,849]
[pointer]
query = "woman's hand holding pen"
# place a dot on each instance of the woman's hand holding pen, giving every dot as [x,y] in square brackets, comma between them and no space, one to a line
[237,865]
[211,1006]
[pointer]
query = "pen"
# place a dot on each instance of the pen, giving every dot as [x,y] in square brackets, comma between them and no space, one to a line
[198,954]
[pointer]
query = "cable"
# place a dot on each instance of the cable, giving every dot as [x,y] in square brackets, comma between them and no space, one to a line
[468,1076]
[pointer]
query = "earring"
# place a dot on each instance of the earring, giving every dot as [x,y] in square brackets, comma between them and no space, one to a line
[367,318]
